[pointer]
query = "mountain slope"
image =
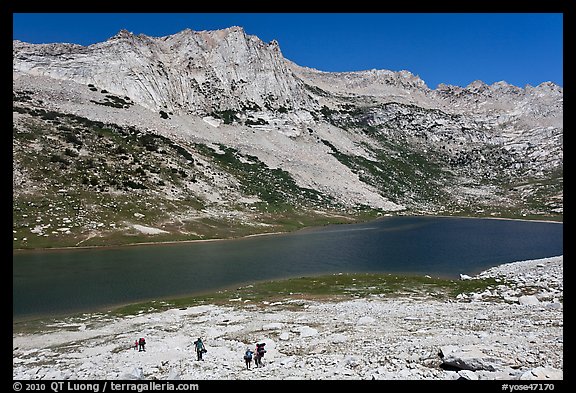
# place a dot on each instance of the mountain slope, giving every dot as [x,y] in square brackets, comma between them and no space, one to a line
[214,134]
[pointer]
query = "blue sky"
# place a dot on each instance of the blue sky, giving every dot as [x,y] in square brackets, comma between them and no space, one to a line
[451,48]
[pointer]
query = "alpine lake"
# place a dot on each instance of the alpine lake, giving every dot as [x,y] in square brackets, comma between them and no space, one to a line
[67,281]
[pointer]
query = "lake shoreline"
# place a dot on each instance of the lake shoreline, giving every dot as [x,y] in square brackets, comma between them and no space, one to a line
[169,242]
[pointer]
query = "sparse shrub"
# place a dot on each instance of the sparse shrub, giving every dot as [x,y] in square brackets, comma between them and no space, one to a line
[183,152]
[258,122]
[121,150]
[50,115]
[71,153]
[149,141]
[133,184]
[228,116]
[58,158]
[70,137]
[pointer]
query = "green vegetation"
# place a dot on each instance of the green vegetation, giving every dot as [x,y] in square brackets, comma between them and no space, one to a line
[93,178]
[275,187]
[332,287]
[400,168]
[402,174]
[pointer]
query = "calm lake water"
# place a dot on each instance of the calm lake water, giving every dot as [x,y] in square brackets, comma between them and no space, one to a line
[68,281]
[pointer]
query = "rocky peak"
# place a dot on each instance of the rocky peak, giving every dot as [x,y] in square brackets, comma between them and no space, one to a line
[122,34]
[547,88]
[477,87]
[506,88]
[189,72]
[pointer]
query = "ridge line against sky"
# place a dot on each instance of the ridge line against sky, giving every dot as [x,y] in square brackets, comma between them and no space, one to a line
[450,48]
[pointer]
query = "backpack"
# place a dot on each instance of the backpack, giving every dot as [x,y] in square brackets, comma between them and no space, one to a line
[261,351]
[248,355]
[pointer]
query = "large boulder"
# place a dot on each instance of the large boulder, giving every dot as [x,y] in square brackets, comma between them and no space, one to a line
[136,374]
[469,358]
[528,300]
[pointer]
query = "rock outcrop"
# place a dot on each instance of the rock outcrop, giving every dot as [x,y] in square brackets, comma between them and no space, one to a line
[191,72]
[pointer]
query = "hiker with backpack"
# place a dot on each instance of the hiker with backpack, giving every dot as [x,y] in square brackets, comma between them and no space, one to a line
[200,349]
[248,357]
[260,351]
[141,344]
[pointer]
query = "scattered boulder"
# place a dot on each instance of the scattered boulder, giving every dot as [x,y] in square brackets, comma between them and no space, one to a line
[306,331]
[528,300]
[470,358]
[272,326]
[284,336]
[338,338]
[365,321]
[173,375]
[136,374]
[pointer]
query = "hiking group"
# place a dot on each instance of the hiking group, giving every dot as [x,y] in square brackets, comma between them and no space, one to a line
[257,355]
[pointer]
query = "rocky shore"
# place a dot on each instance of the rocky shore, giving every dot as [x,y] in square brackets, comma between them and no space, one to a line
[511,331]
